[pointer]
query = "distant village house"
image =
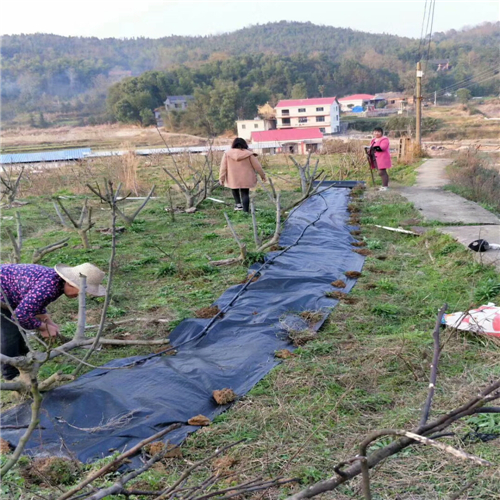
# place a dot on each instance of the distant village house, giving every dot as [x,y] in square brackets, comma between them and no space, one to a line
[177,102]
[322,113]
[292,141]
[357,102]
[266,120]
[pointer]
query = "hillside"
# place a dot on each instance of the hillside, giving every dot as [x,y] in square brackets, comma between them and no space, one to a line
[71,75]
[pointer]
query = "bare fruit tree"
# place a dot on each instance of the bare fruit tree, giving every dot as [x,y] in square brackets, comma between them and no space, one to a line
[112,199]
[10,184]
[17,244]
[82,225]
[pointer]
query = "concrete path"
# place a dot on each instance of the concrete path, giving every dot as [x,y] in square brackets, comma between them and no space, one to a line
[435,204]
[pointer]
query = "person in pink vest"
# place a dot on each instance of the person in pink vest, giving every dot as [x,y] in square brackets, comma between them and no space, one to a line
[380,145]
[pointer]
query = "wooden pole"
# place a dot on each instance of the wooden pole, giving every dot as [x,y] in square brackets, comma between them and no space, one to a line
[418,105]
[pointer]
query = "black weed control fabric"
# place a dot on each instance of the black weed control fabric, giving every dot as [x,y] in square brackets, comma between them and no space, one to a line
[107,410]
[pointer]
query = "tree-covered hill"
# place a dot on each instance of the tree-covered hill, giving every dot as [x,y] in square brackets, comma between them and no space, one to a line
[49,73]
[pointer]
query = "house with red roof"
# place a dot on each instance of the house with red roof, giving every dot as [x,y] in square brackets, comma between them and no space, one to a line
[295,141]
[320,112]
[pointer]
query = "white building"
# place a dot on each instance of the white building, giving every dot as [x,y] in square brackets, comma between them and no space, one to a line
[321,112]
[290,141]
[246,127]
[177,102]
[349,102]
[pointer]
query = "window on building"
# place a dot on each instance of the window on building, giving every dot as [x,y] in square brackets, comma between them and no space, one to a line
[285,112]
[255,125]
[285,121]
[320,118]
[302,110]
[178,105]
[320,109]
[322,130]
[337,117]
[303,120]
[243,126]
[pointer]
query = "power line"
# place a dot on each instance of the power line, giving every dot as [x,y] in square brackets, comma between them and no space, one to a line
[466,80]
[470,83]
[431,17]
[422,33]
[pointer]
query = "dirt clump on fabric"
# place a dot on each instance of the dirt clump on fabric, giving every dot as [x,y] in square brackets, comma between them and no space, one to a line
[199,420]
[358,243]
[301,338]
[312,317]
[338,284]
[284,354]
[355,233]
[5,447]
[352,274]
[363,251]
[207,312]
[341,296]
[224,396]
[252,277]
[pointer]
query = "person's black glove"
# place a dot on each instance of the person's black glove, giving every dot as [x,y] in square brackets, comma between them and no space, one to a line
[378,149]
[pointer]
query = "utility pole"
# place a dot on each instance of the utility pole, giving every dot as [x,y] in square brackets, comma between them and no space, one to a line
[418,104]
[435,98]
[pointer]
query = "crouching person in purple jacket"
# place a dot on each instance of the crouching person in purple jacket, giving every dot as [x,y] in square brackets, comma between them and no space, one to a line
[27,289]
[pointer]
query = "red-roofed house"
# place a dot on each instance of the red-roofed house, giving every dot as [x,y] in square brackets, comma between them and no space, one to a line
[297,141]
[320,112]
[355,100]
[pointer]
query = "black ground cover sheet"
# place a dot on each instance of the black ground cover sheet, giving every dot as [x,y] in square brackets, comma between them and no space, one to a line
[112,410]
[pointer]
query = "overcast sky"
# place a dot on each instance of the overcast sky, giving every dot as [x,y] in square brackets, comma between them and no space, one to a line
[157,18]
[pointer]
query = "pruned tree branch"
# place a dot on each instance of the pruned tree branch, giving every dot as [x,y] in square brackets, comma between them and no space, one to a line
[117,461]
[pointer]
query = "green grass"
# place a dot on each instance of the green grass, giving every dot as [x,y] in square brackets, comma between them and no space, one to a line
[368,368]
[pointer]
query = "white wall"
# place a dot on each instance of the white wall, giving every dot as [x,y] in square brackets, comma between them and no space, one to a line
[308,118]
[246,127]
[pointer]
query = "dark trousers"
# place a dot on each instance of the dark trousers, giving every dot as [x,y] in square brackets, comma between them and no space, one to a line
[12,344]
[242,197]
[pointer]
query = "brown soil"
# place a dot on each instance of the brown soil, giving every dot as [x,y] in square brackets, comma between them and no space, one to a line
[382,257]
[353,208]
[363,251]
[4,447]
[222,464]
[284,354]
[369,286]
[375,270]
[50,471]
[312,317]
[275,248]
[207,312]
[173,451]
[224,396]
[352,274]
[338,284]
[355,233]
[199,420]
[358,243]
[354,221]
[302,338]
[341,296]
[251,277]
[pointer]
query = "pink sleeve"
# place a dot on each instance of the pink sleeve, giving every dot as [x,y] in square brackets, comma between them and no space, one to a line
[384,144]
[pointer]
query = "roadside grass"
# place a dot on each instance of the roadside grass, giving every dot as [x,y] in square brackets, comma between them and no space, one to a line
[368,368]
